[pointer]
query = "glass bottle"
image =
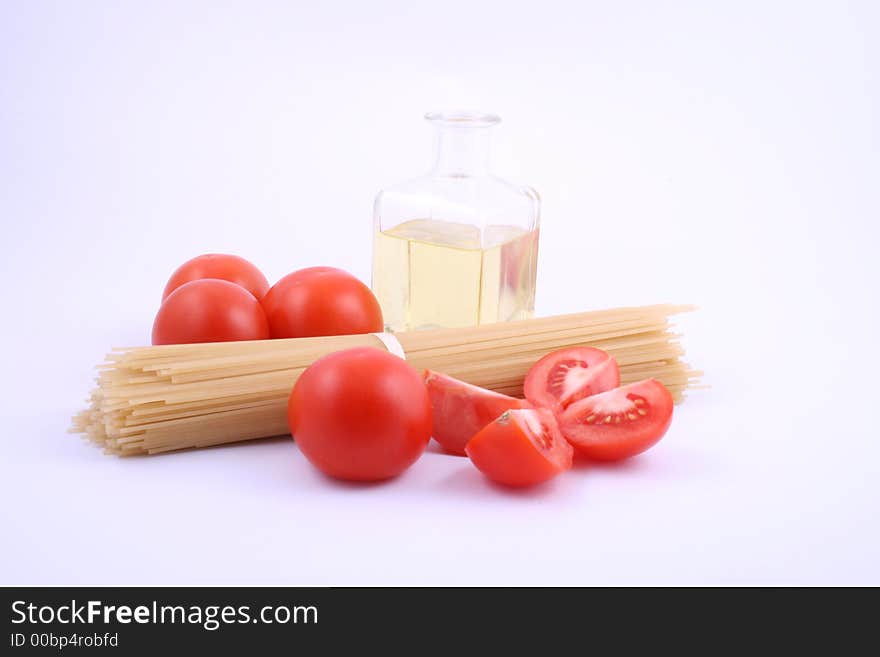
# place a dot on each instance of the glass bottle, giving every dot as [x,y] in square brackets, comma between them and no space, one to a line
[458,246]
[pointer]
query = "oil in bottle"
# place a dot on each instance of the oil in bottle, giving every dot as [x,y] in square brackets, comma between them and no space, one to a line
[431,274]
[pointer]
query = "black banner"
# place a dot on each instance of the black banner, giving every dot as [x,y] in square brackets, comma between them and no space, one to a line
[137,620]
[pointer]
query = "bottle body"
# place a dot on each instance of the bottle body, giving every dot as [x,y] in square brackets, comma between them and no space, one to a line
[457,247]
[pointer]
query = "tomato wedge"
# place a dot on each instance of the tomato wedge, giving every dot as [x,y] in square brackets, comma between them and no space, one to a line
[461,409]
[521,448]
[565,376]
[620,423]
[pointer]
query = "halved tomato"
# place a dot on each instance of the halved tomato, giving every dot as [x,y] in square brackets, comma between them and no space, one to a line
[562,377]
[521,448]
[620,423]
[461,409]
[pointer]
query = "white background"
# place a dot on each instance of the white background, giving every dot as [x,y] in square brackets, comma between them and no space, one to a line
[724,154]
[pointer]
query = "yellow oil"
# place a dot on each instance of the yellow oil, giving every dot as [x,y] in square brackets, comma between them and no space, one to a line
[439,274]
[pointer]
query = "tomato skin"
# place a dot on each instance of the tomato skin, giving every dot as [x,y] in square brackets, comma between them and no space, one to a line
[645,412]
[209,310]
[360,414]
[508,451]
[460,409]
[226,267]
[321,301]
[564,376]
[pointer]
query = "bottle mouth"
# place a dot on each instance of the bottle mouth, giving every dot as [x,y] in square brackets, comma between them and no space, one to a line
[463,119]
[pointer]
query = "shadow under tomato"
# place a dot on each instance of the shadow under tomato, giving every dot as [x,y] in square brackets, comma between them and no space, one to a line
[436,448]
[347,484]
[470,481]
[665,462]
[630,465]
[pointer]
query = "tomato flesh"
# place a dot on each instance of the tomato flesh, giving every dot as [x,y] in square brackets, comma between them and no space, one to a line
[619,423]
[461,409]
[561,378]
[522,447]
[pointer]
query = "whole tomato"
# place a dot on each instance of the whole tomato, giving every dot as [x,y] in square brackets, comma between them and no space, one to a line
[321,301]
[209,310]
[226,267]
[360,414]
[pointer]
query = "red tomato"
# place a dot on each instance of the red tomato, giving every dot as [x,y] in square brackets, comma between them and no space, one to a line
[521,448]
[219,265]
[209,310]
[460,409]
[562,377]
[619,423]
[321,301]
[360,414]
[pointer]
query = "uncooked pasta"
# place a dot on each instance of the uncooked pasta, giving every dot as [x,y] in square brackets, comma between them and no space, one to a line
[157,399]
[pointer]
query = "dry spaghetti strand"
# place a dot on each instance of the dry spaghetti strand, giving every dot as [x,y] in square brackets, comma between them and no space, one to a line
[150,400]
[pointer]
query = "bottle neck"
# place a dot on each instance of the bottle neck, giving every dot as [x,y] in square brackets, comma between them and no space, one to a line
[461,151]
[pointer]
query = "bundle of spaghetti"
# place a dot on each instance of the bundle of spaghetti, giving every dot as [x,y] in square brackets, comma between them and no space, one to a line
[157,399]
